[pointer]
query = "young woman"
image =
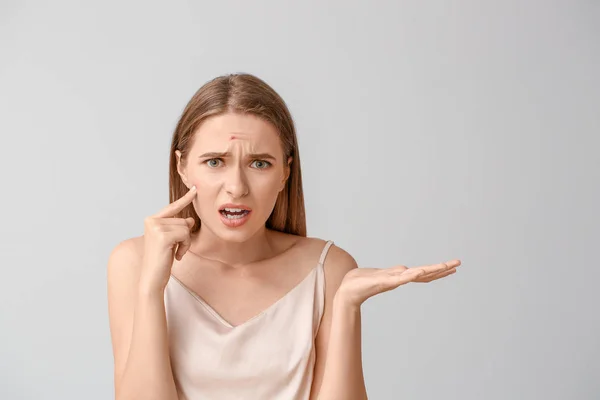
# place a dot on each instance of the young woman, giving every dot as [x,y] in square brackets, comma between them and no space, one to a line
[224,296]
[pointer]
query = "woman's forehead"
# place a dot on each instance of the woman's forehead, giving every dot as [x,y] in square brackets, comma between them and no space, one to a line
[233,127]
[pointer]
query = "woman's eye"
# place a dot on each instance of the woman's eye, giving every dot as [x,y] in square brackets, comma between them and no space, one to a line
[213,162]
[261,164]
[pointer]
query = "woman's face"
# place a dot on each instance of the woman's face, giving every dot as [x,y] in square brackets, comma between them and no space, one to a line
[236,162]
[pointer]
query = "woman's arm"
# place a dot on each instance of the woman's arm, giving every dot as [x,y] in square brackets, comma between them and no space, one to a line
[138,330]
[338,370]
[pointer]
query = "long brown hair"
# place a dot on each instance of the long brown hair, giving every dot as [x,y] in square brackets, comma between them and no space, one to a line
[246,94]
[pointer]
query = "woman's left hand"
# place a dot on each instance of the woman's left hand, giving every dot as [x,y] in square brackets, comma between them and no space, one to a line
[361,283]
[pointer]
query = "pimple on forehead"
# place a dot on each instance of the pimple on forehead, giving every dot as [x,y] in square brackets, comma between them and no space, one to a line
[237,136]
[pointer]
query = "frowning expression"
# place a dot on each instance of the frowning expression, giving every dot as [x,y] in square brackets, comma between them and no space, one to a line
[237,163]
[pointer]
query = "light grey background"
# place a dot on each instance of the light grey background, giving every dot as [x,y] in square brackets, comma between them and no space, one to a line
[429,130]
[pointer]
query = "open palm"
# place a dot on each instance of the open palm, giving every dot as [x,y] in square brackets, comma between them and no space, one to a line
[361,283]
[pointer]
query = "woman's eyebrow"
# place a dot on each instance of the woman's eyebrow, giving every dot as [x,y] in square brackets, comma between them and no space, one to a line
[228,154]
[261,156]
[215,155]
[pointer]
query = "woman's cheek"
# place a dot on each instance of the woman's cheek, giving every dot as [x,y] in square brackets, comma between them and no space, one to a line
[203,180]
[203,198]
[266,186]
[266,192]
[204,205]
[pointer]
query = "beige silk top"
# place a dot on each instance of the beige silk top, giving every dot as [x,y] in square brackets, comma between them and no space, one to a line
[269,357]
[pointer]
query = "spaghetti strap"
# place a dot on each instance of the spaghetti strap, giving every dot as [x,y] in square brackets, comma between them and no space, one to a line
[324,252]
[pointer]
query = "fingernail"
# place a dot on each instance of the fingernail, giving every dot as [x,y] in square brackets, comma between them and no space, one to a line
[193,187]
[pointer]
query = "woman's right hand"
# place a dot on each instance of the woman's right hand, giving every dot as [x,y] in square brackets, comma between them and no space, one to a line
[165,237]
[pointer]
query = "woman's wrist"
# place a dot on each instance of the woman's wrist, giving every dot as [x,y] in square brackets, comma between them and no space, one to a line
[345,304]
[148,288]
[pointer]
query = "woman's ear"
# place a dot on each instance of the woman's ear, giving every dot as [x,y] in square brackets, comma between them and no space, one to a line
[287,171]
[181,168]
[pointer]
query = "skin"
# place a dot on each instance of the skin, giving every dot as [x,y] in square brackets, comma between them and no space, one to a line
[254,266]
[235,178]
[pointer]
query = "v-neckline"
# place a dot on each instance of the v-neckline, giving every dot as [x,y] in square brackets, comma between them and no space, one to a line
[223,321]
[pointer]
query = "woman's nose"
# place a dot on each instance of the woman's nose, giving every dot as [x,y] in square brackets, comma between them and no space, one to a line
[236,184]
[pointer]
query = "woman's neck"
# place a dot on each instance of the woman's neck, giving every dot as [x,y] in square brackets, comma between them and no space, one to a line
[259,247]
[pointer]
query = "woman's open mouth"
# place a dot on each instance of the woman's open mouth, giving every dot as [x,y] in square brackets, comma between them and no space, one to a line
[234,215]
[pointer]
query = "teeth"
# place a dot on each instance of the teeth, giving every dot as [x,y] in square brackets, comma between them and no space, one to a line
[234,213]
[229,216]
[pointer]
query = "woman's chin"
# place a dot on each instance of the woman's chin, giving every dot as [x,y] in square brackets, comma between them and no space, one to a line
[237,234]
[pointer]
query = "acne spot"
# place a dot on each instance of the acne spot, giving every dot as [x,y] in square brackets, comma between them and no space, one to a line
[232,137]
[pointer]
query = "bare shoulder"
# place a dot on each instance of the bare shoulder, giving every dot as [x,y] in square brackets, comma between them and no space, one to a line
[336,266]
[122,274]
[125,256]
[123,270]
[340,260]
[337,262]
[129,247]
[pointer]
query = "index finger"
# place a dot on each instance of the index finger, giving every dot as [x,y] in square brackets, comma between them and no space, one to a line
[177,205]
